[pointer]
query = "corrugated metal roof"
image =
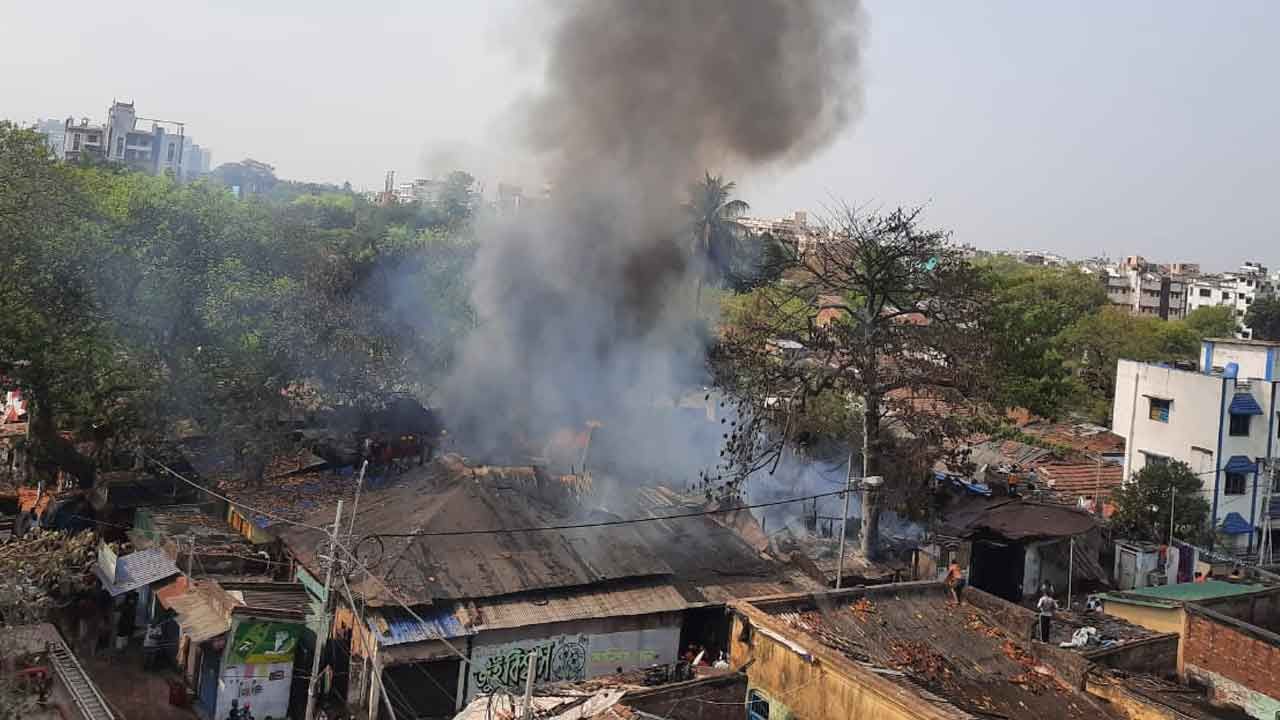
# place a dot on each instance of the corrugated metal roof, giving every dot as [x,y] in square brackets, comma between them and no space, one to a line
[570,605]
[137,569]
[396,627]
[198,616]
[278,597]
[1184,592]
[448,496]
[712,563]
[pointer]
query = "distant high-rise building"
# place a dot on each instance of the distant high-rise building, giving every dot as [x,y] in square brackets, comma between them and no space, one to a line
[196,161]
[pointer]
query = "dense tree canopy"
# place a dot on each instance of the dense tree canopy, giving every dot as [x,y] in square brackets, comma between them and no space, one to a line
[1143,505]
[136,301]
[1264,318]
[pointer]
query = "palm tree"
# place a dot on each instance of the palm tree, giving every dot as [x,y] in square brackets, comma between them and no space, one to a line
[714,228]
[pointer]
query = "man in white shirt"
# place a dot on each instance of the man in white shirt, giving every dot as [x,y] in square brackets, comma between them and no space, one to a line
[1045,606]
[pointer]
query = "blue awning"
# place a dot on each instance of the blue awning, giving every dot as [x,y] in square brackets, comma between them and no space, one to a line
[1233,524]
[1241,464]
[1244,404]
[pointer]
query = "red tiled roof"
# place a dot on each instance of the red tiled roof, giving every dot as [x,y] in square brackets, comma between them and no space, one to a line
[1082,479]
[1079,437]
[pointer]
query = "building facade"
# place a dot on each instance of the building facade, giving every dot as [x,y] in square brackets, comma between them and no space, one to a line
[81,140]
[1147,293]
[1220,420]
[1234,290]
[153,146]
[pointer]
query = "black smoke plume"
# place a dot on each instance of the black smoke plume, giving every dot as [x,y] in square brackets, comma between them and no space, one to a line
[586,305]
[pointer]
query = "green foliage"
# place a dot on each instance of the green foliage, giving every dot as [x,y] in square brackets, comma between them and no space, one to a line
[713,228]
[1096,343]
[1212,321]
[1263,318]
[1057,340]
[1031,308]
[1143,504]
[136,302]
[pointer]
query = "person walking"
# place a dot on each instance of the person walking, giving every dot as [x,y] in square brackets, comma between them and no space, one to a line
[1045,607]
[955,581]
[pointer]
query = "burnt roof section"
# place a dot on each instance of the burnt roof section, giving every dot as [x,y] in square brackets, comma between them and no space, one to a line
[448,496]
[961,654]
[712,561]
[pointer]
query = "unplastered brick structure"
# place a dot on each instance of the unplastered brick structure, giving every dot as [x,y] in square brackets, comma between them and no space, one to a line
[1237,661]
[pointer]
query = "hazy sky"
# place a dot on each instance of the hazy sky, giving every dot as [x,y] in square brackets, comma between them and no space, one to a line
[1134,127]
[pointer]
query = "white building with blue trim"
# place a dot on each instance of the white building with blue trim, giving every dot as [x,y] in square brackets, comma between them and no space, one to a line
[1219,418]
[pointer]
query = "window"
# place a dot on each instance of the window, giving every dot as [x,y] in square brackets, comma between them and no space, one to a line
[1153,459]
[1240,425]
[170,152]
[1239,313]
[1226,296]
[119,146]
[757,706]
[1235,484]
[1205,292]
[1247,299]
[1275,484]
[75,141]
[1159,410]
[93,137]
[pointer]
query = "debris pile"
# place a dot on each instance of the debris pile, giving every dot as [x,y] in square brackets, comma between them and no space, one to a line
[921,660]
[42,570]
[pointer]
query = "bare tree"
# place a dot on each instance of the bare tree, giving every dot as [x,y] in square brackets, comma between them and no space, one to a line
[884,313]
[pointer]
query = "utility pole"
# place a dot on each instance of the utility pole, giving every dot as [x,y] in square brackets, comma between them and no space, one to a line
[324,617]
[844,517]
[1173,493]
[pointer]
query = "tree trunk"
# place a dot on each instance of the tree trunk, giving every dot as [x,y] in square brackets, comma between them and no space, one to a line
[49,450]
[871,434]
[698,256]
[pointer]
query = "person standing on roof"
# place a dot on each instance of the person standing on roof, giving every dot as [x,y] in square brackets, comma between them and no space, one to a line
[1045,606]
[955,581]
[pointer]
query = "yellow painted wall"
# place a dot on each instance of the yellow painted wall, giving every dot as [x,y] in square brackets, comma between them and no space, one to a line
[817,690]
[1165,620]
[1133,707]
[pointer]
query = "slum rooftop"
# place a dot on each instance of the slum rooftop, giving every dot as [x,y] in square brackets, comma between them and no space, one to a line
[696,560]
[909,633]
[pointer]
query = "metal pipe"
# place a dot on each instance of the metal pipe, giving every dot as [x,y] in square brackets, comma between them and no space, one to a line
[1071,561]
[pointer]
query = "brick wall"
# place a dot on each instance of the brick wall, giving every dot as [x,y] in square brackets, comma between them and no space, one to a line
[1237,660]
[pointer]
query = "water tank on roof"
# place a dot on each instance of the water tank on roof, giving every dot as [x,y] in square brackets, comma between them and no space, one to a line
[1231,370]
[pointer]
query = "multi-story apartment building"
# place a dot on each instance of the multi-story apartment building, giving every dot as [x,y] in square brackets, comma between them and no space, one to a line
[1236,290]
[795,230]
[1220,419]
[82,140]
[156,148]
[196,160]
[1146,293]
